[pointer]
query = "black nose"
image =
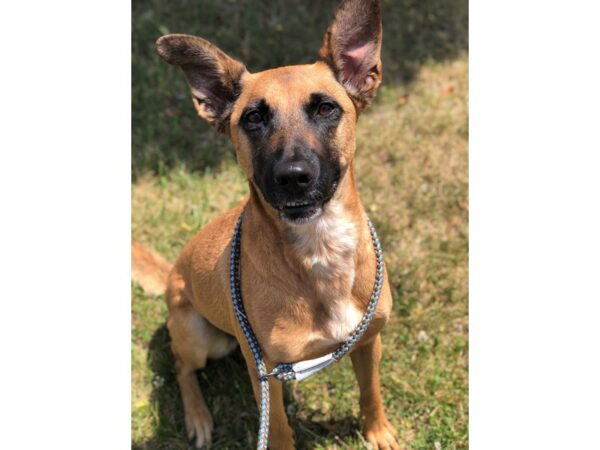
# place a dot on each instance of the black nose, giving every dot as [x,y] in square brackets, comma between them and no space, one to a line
[294,176]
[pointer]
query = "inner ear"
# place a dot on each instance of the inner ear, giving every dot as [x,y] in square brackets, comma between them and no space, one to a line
[352,47]
[357,64]
[209,90]
[214,77]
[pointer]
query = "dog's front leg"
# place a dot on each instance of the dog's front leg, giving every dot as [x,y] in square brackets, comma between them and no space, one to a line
[378,430]
[281,436]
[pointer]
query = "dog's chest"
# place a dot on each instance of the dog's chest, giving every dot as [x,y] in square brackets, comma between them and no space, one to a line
[311,334]
[326,250]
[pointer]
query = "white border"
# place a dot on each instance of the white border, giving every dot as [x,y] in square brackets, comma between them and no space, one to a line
[534,225]
[64,181]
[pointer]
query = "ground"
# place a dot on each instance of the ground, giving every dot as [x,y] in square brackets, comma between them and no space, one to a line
[411,167]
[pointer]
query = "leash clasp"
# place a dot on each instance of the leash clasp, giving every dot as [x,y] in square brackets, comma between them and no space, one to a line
[282,371]
[300,370]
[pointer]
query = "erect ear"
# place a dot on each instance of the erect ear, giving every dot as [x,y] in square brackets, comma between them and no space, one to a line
[352,47]
[214,77]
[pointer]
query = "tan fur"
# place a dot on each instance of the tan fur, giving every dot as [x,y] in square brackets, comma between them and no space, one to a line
[304,286]
[149,269]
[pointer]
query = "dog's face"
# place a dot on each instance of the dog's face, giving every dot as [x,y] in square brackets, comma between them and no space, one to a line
[292,127]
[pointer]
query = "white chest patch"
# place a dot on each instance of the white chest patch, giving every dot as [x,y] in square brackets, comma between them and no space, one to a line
[326,245]
[344,318]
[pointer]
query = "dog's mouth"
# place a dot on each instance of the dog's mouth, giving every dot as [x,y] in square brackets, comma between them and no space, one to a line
[304,210]
[300,211]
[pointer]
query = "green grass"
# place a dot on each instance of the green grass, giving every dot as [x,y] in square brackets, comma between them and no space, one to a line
[411,166]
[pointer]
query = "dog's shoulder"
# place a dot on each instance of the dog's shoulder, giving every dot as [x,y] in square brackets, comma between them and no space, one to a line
[205,255]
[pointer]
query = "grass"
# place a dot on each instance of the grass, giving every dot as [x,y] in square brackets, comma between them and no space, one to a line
[412,174]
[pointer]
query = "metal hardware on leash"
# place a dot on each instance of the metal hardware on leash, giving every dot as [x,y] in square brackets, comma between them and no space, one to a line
[301,369]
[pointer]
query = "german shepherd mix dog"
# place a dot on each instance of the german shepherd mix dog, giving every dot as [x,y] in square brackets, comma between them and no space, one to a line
[307,255]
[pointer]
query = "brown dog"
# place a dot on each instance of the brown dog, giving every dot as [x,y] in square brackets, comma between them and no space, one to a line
[308,264]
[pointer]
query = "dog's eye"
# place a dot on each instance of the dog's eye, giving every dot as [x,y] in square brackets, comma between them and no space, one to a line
[325,109]
[254,117]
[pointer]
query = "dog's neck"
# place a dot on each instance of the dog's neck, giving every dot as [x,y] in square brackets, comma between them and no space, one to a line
[323,251]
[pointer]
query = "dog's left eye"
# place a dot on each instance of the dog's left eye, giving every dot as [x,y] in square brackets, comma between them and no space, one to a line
[254,117]
[325,109]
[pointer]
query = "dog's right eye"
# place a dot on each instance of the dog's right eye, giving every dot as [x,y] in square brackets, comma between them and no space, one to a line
[253,117]
[256,116]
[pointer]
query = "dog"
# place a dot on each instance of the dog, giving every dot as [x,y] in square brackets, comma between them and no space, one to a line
[307,258]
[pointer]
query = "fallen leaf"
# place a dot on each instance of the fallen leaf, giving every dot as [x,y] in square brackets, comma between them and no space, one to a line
[141,404]
[383,157]
[171,112]
[448,90]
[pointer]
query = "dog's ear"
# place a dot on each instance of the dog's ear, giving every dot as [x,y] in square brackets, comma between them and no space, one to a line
[352,47]
[214,77]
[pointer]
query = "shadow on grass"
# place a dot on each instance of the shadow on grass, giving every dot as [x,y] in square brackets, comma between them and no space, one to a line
[166,131]
[228,392]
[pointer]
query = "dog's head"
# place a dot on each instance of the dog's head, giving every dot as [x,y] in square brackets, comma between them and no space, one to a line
[292,127]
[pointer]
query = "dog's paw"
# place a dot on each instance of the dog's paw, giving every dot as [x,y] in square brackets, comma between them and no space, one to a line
[199,426]
[382,435]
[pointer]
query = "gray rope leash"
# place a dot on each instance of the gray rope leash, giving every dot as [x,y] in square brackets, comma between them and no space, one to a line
[302,369]
[238,305]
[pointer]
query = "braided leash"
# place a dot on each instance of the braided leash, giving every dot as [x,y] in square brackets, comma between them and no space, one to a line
[302,369]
